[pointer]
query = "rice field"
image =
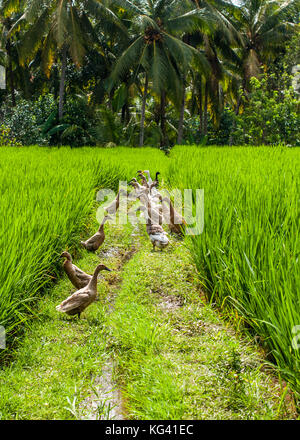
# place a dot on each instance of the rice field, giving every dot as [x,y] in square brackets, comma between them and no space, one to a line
[46,198]
[247,255]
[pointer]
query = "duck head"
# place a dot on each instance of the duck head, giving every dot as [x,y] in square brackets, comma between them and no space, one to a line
[66,255]
[103,267]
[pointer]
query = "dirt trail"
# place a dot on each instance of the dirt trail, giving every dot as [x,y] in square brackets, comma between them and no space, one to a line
[105,401]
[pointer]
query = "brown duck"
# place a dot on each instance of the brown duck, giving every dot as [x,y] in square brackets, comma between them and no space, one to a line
[114,206]
[77,277]
[176,222]
[143,179]
[94,242]
[80,300]
[136,185]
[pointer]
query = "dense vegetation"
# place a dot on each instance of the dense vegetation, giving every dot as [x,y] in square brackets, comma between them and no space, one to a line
[247,255]
[45,203]
[248,252]
[149,72]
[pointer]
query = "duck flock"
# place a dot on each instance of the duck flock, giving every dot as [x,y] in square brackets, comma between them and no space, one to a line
[156,209]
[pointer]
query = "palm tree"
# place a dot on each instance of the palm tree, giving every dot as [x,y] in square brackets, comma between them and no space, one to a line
[10,11]
[263,27]
[63,26]
[217,43]
[157,50]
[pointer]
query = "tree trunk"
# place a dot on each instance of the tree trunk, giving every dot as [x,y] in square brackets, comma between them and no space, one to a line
[234,122]
[205,108]
[142,127]
[123,114]
[181,117]
[62,82]
[164,140]
[10,74]
[200,107]
[127,113]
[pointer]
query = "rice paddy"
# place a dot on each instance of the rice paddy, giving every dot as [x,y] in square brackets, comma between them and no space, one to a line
[247,256]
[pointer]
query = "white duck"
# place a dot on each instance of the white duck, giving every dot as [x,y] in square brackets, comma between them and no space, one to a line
[156,233]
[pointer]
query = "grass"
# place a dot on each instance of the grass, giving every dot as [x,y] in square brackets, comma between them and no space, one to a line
[247,256]
[170,355]
[56,366]
[46,202]
[175,358]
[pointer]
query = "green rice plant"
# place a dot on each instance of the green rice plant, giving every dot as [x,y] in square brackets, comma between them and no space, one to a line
[47,198]
[248,253]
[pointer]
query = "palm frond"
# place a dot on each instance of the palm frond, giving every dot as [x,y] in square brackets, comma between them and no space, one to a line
[99,11]
[33,38]
[129,59]
[159,69]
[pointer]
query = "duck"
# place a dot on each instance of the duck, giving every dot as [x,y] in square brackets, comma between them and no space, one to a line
[147,172]
[94,242]
[152,213]
[143,179]
[150,181]
[136,185]
[157,235]
[176,222]
[80,300]
[155,181]
[154,185]
[77,277]
[114,206]
[155,231]
[145,198]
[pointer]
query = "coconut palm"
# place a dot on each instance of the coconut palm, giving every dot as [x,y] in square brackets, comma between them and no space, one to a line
[61,26]
[217,44]
[10,11]
[264,27]
[157,49]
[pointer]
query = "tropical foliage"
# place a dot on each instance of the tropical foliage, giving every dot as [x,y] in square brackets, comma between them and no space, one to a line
[154,72]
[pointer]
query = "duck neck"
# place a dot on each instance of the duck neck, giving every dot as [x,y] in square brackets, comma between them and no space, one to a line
[170,206]
[118,196]
[102,224]
[93,282]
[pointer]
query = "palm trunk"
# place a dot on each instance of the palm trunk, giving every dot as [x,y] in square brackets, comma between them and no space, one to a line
[62,82]
[123,114]
[10,74]
[127,113]
[234,122]
[181,118]
[142,127]
[164,140]
[205,108]
[200,107]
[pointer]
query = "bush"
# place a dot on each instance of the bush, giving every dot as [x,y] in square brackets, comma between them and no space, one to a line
[24,120]
[269,116]
[37,122]
[6,138]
